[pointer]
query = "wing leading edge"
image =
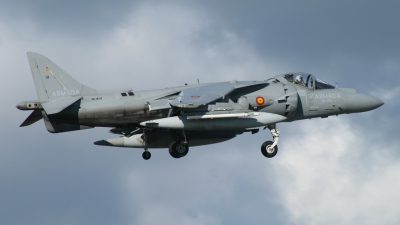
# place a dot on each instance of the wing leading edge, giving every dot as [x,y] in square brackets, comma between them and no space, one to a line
[196,96]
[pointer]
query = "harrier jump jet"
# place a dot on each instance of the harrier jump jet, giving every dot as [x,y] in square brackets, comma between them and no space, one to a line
[181,117]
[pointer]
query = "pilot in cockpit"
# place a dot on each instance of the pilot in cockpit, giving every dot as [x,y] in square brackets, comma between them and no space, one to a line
[299,80]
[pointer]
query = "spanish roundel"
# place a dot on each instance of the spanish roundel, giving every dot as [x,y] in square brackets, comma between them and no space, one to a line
[260,100]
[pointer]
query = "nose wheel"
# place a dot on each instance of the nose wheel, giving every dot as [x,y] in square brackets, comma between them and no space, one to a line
[267,150]
[270,148]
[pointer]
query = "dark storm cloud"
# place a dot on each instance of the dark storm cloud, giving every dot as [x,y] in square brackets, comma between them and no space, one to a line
[84,19]
[300,33]
[338,40]
[318,27]
[52,179]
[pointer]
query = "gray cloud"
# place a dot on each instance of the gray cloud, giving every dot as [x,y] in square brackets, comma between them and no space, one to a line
[350,182]
[336,170]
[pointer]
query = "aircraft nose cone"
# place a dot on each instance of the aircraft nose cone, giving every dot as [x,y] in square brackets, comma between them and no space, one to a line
[361,102]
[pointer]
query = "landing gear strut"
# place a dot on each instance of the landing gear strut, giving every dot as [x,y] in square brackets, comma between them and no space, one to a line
[146,154]
[269,149]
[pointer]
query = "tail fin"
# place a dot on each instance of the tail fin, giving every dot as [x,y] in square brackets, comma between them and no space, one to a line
[51,81]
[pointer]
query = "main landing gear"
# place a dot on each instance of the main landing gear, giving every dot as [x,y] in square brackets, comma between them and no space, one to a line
[179,148]
[270,148]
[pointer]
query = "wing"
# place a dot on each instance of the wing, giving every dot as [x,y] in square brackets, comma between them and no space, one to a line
[202,95]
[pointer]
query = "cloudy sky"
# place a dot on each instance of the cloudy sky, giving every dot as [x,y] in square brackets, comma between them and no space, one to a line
[340,170]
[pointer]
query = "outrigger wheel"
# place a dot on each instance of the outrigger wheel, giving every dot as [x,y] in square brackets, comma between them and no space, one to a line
[267,151]
[178,149]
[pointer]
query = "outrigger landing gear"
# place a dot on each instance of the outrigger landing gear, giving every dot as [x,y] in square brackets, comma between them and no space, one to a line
[146,154]
[269,149]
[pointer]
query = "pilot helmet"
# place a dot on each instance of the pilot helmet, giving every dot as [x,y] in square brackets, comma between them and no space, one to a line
[299,79]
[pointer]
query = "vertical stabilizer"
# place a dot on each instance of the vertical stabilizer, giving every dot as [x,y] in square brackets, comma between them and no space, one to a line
[52,82]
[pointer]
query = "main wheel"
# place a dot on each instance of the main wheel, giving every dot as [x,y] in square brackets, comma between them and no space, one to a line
[146,155]
[178,149]
[269,153]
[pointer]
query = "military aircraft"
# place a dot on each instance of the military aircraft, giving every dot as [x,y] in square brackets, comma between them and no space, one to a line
[191,115]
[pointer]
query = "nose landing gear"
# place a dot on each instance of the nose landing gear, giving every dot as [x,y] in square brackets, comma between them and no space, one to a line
[267,150]
[270,148]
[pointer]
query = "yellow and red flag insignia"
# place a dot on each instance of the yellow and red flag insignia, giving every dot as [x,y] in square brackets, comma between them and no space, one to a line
[260,100]
[46,69]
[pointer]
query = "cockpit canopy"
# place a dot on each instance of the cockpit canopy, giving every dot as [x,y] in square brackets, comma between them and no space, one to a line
[307,80]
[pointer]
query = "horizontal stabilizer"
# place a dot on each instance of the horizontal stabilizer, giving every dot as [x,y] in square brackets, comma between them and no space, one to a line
[58,105]
[35,116]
